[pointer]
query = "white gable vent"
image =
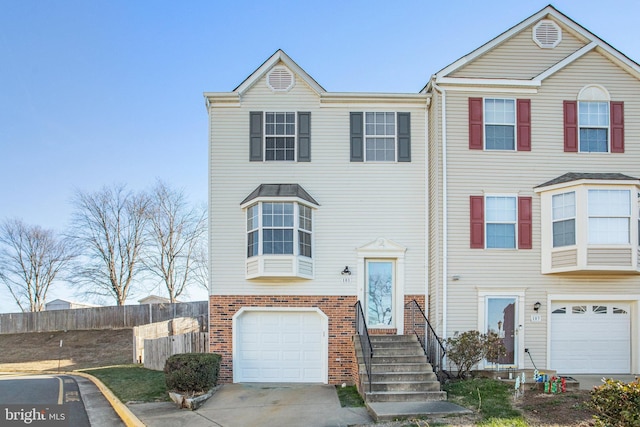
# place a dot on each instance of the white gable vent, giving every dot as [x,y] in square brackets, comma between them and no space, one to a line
[547,34]
[280,79]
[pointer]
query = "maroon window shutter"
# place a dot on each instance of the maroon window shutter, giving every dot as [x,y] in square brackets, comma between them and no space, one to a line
[477,222]
[523,112]
[475,124]
[617,126]
[571,126]
[524,223]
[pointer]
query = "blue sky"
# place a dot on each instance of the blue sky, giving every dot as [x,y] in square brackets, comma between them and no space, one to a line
[97,92]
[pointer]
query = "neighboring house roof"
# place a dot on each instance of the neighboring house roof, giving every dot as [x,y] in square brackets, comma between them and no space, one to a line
[154,299]
[279,191]
[577,176]
[76,304]
[592,42]
[275,59]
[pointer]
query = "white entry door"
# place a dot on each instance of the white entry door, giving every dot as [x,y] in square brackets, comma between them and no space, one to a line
[590,337]
[280,346]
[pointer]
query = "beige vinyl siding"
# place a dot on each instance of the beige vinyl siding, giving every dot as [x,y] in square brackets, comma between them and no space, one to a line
[475,172]
[359,202]
[520,57]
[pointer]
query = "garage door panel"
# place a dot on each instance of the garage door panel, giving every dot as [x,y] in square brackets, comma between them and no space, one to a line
[290,347]
[591,337]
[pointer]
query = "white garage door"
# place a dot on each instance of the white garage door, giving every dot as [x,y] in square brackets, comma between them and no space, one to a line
[280,346]
[590,338]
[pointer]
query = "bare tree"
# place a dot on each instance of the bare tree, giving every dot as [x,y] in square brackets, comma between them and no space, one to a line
[109,228]
[176,234]
[31,258]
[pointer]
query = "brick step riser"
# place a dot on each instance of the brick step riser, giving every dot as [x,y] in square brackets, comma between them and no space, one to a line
[406,397]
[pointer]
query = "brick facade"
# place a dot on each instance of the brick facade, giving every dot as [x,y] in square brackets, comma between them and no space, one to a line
[339,309]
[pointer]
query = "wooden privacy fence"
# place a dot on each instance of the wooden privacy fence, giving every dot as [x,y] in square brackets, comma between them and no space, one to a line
[114,317]
[157,351]
[177,326]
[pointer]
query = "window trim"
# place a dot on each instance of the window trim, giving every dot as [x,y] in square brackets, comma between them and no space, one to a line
[486,123]
[514,223]
[276,135]
[581,126]
[367,137]
[259,203]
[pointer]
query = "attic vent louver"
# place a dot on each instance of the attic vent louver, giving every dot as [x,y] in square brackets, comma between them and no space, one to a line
[280,79]
[547,34]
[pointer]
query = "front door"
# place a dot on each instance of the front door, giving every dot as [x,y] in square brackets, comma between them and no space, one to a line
[501,319]
[380,293]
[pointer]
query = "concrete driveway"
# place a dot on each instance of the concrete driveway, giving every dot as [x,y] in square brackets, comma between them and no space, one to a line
[264,405]
[587,382]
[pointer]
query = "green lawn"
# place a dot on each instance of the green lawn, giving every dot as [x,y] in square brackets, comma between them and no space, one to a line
[492,399]
[133,382]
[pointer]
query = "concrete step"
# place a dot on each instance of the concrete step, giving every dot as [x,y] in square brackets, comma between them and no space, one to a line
[392,338]
[402,376]
[390,411]
[379,360]
[398,351]
[405,396]
[405,386]
[400,367]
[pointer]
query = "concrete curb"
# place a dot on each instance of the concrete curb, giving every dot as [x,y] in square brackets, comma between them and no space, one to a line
[128,418]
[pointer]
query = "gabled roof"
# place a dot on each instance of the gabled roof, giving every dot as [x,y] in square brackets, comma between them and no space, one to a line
[549,11]
[578,176]
[280,191]
[272,62]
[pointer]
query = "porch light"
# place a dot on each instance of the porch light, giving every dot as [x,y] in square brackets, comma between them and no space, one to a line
[346,271]
[536,306]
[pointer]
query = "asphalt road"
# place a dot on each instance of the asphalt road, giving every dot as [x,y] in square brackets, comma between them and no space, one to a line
[56,396]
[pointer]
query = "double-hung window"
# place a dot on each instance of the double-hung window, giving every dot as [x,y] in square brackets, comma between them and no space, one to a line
[280,136]
[609,216]
[593,122]
[500,124]
[380,137]
[564,219]
[501,219]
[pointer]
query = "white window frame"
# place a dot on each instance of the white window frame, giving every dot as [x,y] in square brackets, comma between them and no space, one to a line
[499,123]
[588,95]
[487,222]
[555,220]
[370,137]
[614,215]
[275,135]
[296,229]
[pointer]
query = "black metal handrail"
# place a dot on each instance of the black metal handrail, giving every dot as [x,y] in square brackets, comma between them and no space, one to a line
[431,343]
[365,341]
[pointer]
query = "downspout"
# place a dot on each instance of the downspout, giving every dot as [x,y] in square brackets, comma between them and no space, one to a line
[445,237]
